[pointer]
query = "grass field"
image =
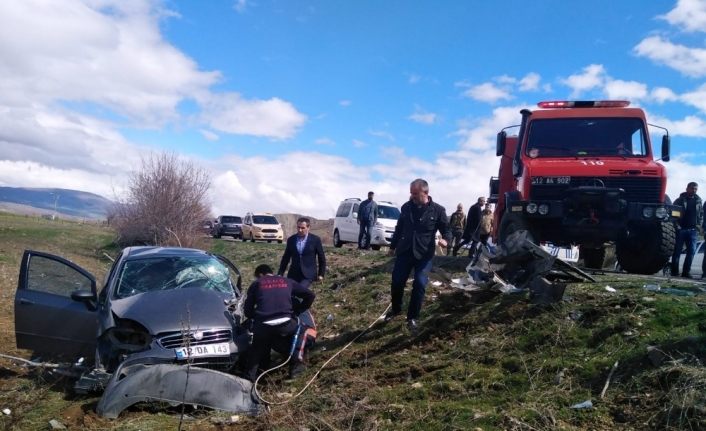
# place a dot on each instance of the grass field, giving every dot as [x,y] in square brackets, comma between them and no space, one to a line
[479,362]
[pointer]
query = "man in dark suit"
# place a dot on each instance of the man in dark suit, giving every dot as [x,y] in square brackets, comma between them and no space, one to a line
[304,250]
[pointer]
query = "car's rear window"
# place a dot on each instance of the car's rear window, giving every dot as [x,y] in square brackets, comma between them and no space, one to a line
[231,219]
[262,219]
[166,273]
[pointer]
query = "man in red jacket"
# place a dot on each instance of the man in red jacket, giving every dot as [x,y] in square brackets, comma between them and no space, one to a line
[269,304]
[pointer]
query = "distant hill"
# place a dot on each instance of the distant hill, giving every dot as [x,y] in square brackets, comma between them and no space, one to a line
[72,203]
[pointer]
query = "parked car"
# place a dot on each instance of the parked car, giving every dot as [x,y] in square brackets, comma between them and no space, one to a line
[262,227]
[227,225]
[207,227]
[159,310]
[346,227]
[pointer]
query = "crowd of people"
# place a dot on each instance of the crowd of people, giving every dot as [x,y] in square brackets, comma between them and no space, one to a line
[277,306]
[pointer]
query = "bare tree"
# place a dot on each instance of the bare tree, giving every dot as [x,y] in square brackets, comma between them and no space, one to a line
[166,203]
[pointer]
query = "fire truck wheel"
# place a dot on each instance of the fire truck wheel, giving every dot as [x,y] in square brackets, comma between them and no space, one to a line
[593,257]
[645,249]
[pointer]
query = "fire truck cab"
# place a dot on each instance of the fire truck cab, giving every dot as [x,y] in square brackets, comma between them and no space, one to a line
[584,172]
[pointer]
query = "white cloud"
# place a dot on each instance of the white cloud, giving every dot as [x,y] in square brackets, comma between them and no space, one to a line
[663,94]
[413,79]
[111,55]
[423,117]
[487,92]
[274,118]
[627,90]
[209,135]
[359,144]
[689,61]
[592,76]
[325,141]
[240,6]
[689,14]
[696,98]
[382,134]
[530,82]
[480,135]
[689,126]
[345,103]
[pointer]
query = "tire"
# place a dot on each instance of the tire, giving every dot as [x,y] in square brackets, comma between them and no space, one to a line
[216,235]
[242,238]
[593,257]
[252,238]
[269,241]
[512,223]
[279,241]
[375,247]
[646,249]
[337,239]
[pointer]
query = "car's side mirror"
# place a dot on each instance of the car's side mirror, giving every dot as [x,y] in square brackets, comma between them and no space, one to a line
[500,143]
[665,148]
[85,296]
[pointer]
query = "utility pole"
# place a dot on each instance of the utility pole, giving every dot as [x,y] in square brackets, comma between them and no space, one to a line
[56,201]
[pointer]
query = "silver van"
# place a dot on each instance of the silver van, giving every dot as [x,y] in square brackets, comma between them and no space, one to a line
[346,228]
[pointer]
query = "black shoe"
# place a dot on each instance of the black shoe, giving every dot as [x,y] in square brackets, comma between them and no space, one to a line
[295,370]
[686,276]
[391,315]
[412,325]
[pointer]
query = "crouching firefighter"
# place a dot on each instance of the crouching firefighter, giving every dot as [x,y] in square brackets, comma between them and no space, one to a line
[273,304]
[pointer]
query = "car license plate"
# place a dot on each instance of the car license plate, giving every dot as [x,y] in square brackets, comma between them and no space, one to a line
[269,235]
[204,350]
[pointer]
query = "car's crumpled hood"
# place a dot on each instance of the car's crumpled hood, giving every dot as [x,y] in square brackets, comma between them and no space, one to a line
[173,310]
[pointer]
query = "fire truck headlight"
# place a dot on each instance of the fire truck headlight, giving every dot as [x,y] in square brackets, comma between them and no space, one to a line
[661,213]
[648,212]
[544,209]
[531,208]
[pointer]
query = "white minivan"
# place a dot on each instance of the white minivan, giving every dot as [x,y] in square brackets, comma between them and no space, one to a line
[346,228]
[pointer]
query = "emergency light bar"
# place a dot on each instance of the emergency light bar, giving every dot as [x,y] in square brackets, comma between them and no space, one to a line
[584,104]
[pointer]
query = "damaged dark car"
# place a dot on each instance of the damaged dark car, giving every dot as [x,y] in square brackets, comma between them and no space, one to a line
[164,317]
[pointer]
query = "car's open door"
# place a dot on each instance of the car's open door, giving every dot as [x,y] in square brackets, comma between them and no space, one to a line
[55,308]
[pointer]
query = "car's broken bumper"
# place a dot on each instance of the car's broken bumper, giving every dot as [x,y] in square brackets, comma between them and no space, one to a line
[175,384]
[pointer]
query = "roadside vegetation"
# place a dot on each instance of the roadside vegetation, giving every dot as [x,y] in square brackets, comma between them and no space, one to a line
[485,361]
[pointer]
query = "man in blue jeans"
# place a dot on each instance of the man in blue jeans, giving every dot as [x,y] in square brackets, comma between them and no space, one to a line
[690,222]
[367,216]
[413,244]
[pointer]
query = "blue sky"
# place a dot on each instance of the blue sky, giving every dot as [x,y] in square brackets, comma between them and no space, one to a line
[292,106]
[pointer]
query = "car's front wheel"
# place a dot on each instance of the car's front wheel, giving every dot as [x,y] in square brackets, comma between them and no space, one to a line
[252,238]
[337,239]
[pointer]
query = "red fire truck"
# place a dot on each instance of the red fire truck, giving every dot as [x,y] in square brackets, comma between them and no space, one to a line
[584,172]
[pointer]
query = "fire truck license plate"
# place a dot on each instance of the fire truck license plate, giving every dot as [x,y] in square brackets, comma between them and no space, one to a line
[551,180]
[220,349]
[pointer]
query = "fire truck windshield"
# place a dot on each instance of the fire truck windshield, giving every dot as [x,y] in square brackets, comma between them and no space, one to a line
[589,137]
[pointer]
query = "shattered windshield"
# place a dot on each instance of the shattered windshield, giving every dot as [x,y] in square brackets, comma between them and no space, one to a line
[166,273]
[586,137]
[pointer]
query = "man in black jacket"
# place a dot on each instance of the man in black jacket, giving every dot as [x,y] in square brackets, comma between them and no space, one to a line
[692,217]
[413,244]
[470,233]
[269,304]
[304,250]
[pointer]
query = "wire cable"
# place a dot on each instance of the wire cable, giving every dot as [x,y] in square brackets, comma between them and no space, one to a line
[311,380]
